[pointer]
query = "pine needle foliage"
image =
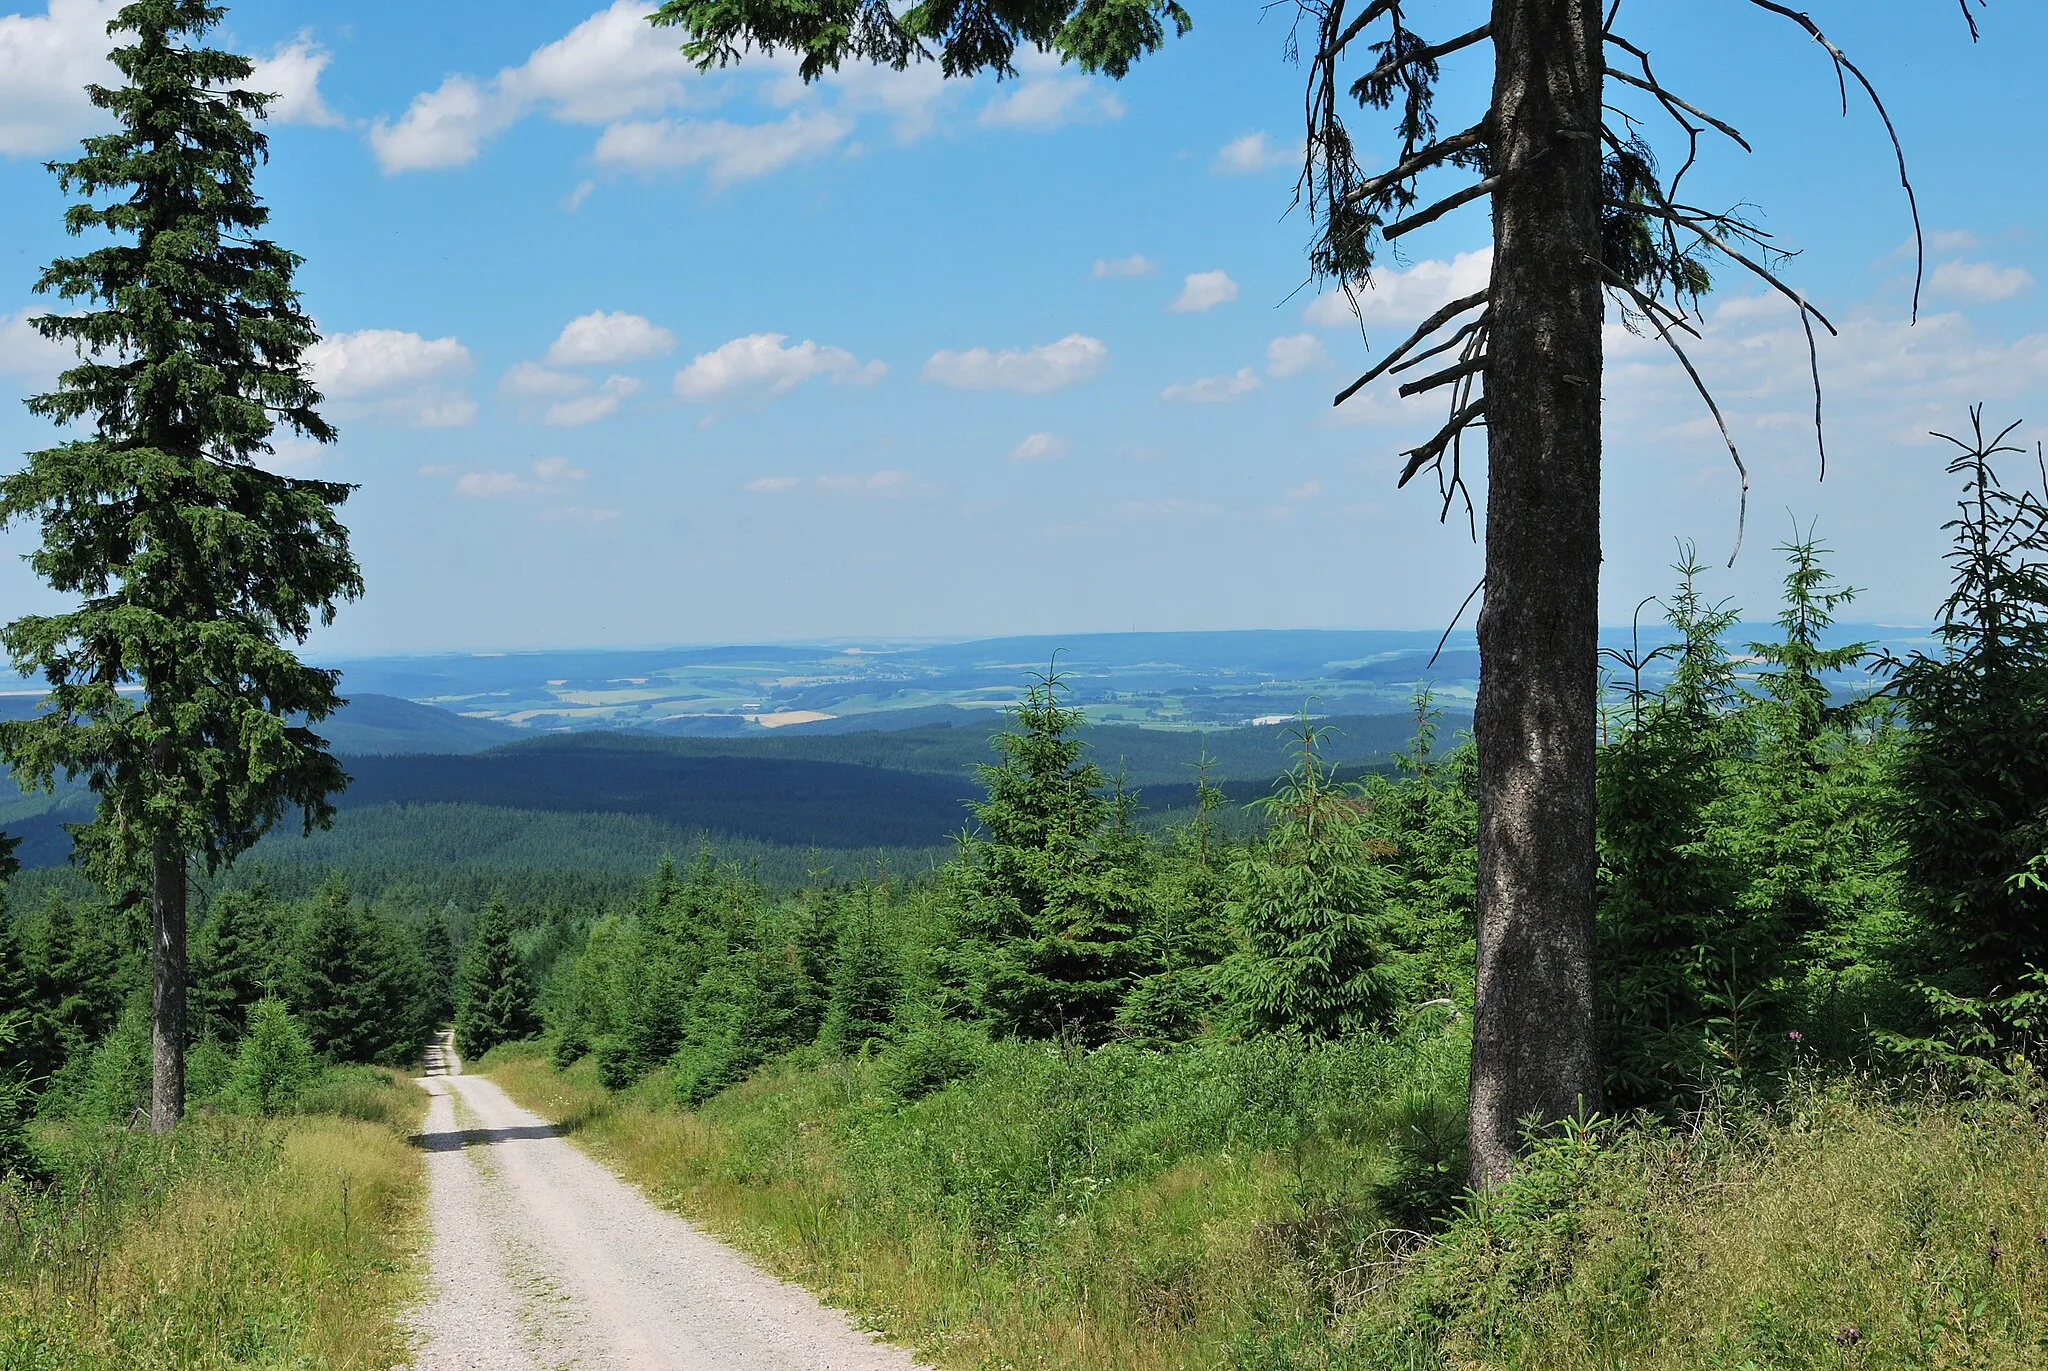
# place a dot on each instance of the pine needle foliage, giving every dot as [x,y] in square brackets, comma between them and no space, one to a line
[495,1004]
[235,962]
[1973,765]
[1310,910]
[337,992]
[1803,814]
[1667,888]
[192,564]
[1052,888]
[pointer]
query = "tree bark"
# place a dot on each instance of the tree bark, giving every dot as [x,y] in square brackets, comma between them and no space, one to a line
[1534,1044]
[167,986]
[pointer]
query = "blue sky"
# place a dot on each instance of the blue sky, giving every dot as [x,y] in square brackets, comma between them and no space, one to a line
[625,354]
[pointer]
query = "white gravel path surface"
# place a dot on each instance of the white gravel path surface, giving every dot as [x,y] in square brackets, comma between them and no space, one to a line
[543,1259]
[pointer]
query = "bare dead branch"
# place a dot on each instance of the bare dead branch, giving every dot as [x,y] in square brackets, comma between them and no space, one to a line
[1429,326]
[1441,208]
[1431,53]
[1449,375]
[1445,346]
[1807,314]
[1335,49]
[1433,155]
[1708,235]
[1650,309]
[1451,625]
[1673,103]
[1420,457]
[1842,64]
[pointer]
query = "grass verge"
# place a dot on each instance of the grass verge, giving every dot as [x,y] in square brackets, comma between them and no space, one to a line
[233,1242]
[1235,1206]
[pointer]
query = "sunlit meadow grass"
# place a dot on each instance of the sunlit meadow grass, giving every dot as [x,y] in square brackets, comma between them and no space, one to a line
[1060,1210]
[235,1242]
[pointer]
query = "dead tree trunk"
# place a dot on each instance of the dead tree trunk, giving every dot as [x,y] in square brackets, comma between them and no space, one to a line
[1535,1050]
[167,986]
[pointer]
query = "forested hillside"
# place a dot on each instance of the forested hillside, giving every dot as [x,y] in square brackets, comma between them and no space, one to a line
[594,810]
[1504,990]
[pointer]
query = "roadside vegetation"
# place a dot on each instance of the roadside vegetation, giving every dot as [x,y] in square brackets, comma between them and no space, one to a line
[238,1240]
[1093,1098]
[1248,1205]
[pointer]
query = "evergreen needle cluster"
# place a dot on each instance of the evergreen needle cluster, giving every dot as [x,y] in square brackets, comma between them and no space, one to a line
[172,691]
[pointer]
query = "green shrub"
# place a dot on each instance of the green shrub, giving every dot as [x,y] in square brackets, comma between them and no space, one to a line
[701,1069]
[616,1066]
[930,1055]
[208,1068]
[361,1092]
[116,1082]
[571,1045]
[1423,1178]
[275,1064]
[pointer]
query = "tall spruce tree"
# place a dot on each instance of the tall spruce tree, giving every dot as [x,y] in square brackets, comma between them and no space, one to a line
[193,565]
[1667,886]
[1581,213]
[1791,815]
[235,962]
[495,1002]
[1050,889]
[867,973]
[337,992]
[1310,910]
[1973,763]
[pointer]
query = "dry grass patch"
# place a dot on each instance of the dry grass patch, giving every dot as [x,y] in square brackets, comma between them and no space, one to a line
[234,1242]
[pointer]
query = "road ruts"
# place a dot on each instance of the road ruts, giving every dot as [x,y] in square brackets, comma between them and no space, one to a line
[542,1259]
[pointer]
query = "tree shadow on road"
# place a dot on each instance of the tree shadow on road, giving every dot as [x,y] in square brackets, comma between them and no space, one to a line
[457,1140]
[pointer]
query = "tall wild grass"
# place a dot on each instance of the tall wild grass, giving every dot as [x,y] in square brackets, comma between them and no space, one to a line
[1264,1205]
[233,1242]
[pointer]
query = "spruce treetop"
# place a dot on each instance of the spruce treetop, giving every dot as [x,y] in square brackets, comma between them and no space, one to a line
[191,564]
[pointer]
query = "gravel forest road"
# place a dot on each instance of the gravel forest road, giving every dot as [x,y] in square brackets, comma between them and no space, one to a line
[542,1259]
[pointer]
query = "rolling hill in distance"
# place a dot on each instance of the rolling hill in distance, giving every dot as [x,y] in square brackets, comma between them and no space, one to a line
[602,760]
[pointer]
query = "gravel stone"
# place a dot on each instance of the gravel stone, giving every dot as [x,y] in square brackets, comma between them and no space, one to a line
[542,1259]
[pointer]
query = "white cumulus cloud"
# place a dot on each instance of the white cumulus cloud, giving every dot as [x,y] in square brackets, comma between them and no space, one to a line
[292,75]
[1294,354]
[1405,297]
[1050,102]
[599,339]
[1248,156]
[732,152]
[444,127]
[395,376]
[25,352]
[1027,371]
[1214,390]
[612,65]
[771,485]
[1979,283]
[531,380]
[1039,447]
[767,364]
[46,61]
[546,475]
[1137,264]
[601,403]
[1204,290]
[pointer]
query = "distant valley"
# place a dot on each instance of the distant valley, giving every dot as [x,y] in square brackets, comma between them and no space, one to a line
[599,761]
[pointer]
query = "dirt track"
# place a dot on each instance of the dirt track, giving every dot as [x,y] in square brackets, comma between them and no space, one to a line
[541,1258]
